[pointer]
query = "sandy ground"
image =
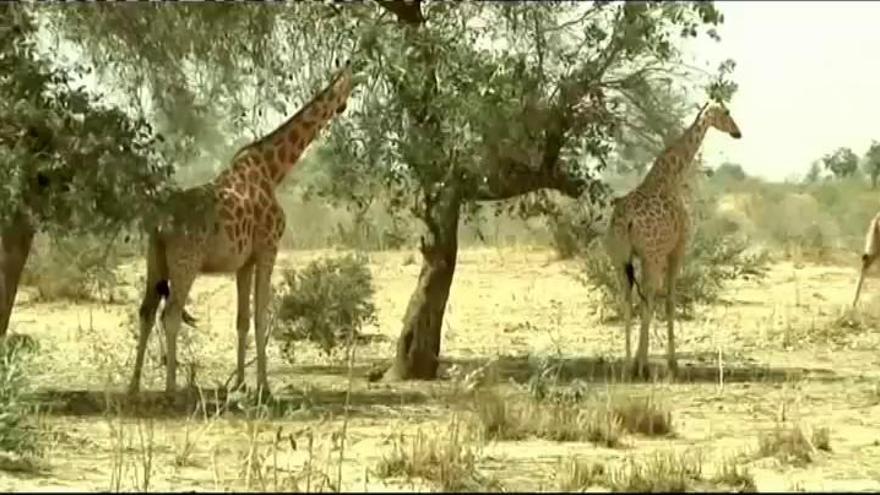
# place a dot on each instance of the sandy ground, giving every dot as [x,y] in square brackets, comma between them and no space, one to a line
[512,303]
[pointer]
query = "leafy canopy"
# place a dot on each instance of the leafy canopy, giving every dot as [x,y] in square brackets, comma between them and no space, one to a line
[497,99]
[70,162]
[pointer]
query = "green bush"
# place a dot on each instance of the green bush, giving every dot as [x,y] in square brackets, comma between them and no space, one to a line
[717,253]
[18,434]
[324,302]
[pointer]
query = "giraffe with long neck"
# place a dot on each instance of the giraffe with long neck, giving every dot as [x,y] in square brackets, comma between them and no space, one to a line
[652,224]
[239,234]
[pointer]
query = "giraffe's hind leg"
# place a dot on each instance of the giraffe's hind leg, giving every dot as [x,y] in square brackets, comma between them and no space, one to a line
[181,279]
[265,263]
[147,314]
[648,290]
[671,278]
[244,283]
[625,279]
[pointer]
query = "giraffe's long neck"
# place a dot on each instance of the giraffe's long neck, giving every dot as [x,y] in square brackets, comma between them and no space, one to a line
[674,165]
[280,150]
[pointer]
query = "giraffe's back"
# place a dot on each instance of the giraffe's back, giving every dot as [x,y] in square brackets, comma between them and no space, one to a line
[653,222]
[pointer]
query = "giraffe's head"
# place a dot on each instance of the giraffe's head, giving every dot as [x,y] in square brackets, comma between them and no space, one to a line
[718,116]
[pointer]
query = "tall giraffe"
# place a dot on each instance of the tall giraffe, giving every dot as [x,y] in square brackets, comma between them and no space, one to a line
[652,223]
[872,251]
[240,235]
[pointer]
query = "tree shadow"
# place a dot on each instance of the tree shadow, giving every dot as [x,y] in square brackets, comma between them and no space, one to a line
[286,403]
[692,368]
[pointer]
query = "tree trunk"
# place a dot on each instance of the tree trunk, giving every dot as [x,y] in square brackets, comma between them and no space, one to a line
[17,239]
[418,347]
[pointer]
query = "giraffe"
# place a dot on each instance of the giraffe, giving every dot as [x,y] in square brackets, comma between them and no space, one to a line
[651,223]
[239,233]
[870,254]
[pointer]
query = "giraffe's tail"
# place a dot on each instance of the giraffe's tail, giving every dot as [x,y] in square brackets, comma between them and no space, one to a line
[159,260]
[630,270]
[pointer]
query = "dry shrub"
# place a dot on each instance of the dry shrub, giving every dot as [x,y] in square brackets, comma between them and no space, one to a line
[510,418]
[600,422]
[644,415]
[578,475]
[660,472]
[792,444]
[665,471]
[735,476]
[448,460]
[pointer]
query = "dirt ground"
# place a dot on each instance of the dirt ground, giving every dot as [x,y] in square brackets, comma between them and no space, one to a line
[514,304]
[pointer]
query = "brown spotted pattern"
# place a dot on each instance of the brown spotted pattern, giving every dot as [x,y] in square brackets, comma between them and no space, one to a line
[242,236]
[652,224]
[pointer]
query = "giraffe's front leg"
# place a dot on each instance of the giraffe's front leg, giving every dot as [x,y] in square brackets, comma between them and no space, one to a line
[262,296]
[244,282]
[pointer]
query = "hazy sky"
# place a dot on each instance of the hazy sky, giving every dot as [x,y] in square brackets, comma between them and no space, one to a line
[809,82]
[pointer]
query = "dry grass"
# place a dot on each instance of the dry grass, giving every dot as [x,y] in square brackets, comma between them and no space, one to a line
[659,472]
[217,455]
[579,475]
[449,460]
[516,417]
[643,415]
[734,475]
[791,444]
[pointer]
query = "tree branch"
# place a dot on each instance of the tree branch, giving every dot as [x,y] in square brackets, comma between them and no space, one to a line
[511,178]
[406,11]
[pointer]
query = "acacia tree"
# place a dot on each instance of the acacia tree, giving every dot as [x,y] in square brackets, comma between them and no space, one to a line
[872,163]
[68,164]
[843,162]
[459,106]
[459,121]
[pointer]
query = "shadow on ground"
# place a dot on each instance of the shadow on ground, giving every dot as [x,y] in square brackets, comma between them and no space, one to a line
[376,400]
[284,403]
[692,368]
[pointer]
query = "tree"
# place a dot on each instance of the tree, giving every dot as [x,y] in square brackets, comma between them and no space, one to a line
[814,173]
[872,163]
[730,171]
[460,106]
[843,162]
[462,124]
[68,164]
